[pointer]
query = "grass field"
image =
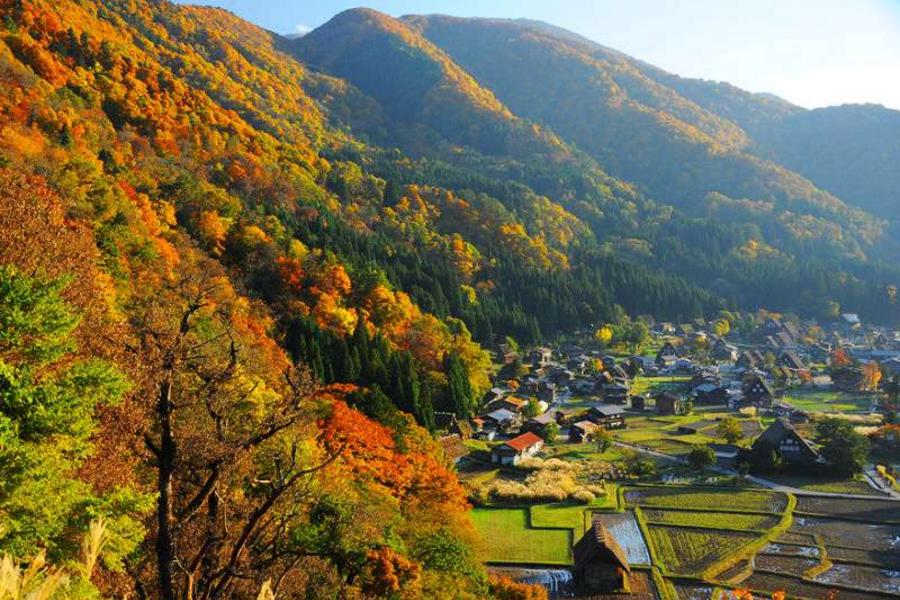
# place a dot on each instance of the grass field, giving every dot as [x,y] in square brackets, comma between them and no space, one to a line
[722,499]
[642,386]
[828,401]
[562,516]
[507,538]
[713,520]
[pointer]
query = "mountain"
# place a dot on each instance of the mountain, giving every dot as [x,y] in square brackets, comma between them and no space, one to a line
[640,129]
[669,163]
[852,151]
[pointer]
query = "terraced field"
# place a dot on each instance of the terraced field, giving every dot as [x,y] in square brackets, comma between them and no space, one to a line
[688,551]
[723,499]
[711,520]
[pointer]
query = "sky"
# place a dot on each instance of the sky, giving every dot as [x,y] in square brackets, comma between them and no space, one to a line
[811,52]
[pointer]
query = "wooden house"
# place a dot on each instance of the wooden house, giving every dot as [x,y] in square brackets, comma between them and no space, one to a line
[793,448]
[757,392]
[515,450]
[581,431]
[607,416]
[638,403]
[541,356]
[601,566]
[667,403]
[615,393]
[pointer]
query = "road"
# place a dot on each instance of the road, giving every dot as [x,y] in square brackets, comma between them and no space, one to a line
[771,484]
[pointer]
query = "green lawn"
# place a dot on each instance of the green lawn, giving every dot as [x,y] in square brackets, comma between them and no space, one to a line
[827,401]
[562,516]
[508,538]
[642,386]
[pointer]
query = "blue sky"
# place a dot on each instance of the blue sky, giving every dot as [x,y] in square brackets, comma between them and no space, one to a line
[811,52]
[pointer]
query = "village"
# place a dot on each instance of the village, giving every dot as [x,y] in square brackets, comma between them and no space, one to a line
[700,459]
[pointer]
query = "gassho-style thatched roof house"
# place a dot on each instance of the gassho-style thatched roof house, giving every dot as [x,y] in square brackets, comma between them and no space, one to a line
[601,565]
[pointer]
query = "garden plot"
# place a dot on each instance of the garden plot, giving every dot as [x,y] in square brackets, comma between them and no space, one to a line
[876,558]
[798,588]
[850,534]
[791,550]
[877,511]
[864,578]
[625,530]
[722,499]
[711,520]
[686,551]
[692,591]
[787,565]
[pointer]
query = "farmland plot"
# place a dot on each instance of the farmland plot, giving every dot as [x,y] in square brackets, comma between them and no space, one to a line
[625,530]
[798,588]
[686,551]
[879,511]
[712,520]
[692,591]
[791,550]
[788,565]
[865,578]
[850,534]
[509,539]
[703,498]
[876,558]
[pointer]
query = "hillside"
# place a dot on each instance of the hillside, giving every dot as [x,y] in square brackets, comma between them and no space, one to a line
[852,151]
[642,131]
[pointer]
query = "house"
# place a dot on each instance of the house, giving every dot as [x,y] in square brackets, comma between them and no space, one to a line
[684,330]
[667,403]
[891,366]
[850,321]
[607,416]
[783,410]
[726,454]
[848,379]
[601,566]
[539,423]
[793,448]
[751,359]
[454,448]
[515,450]
[724,352]
[638,403]
[447,421]
[541,356]
[493,394]
[510,403]
[615,393]
[547,393]
[789,360]
[710,393]
[581,431]
[757,391]
[501,419]
[666,356]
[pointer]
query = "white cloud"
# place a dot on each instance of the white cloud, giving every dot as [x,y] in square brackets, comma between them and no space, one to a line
[303,29]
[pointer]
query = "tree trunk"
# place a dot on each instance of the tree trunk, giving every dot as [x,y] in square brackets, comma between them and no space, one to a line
[165,550]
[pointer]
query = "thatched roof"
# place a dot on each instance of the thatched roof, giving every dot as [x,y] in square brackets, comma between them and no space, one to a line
[598,544]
